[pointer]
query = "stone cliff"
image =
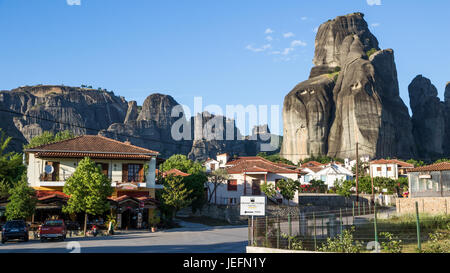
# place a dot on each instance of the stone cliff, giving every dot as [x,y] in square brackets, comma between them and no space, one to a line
[352,96]
[28,111]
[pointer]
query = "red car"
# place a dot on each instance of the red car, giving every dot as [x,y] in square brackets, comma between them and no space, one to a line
[53,229]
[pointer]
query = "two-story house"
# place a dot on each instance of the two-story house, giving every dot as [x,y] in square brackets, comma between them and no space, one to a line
[130,168]
[389,168]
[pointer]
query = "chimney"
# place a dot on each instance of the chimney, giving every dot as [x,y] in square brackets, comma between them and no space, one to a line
[127,142]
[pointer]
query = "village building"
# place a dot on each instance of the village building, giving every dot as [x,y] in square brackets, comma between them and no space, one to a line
[429,188]
[430,181]
[130,168]
[246,175]
[389,168]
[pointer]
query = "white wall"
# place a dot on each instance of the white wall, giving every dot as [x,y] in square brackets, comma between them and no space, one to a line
[393,173]
[67,167]
[223,193]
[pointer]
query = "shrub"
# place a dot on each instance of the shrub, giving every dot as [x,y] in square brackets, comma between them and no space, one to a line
[371,51]
[391,244]
[343,243]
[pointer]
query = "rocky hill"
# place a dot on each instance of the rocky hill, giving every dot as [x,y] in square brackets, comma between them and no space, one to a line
[30,110]
[352,95]
[431,118]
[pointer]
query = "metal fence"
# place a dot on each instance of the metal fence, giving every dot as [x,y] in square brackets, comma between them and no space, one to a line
[313,229]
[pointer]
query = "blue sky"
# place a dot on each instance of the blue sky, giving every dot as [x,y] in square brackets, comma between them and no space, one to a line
[216,49]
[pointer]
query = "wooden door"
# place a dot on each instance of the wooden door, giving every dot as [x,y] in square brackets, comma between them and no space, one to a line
[256,187]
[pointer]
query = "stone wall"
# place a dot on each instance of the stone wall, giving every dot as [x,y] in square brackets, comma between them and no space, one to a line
[229,213]
[333,201]
[431,205]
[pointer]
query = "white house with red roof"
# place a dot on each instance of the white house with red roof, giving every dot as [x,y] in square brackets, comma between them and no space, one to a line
[247,174]
[389,168]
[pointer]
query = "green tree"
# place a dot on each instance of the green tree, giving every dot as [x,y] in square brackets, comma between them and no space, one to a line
[276,158]
[365,185]
[196,184]
[442,160]
[343,187]
[268,189]
[217,178]
[182,163]
[175,195]
[11,166]
[48,137]
[416,163]
[321,159]
[288,188]
[22,201]
[88,189]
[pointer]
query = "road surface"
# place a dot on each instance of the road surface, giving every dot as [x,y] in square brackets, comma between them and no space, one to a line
[191,238]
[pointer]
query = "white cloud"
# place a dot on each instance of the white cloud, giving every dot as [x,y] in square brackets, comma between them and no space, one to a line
[269,38]
[268,31]
[375,24]
[287,50]
[374,2]
[288,35]
[258,49]
[297,43]
[304,18]
[316,29]
[73,2]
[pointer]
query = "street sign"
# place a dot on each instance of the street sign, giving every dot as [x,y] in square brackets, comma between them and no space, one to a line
[253,205]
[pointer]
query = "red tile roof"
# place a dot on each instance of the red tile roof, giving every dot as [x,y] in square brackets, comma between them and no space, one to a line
[44,195]
[257,164]
[175,172]
[94,146]
[312,164]
[443,166]
[393,161]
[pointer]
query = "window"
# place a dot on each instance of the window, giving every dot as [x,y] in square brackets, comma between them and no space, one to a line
[307,178]
[323,178]
[232,185]
[378,169]
[213,166]
[389,169]
[133,173]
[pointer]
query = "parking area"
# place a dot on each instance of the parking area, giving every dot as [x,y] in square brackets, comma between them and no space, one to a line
[191,238]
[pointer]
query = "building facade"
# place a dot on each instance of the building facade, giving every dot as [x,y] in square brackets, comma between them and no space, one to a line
[246,175]
[391,168]
[131,170]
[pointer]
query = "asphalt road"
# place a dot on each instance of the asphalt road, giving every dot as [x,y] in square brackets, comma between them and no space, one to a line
[191,238]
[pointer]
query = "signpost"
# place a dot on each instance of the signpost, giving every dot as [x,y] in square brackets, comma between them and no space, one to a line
[253,206]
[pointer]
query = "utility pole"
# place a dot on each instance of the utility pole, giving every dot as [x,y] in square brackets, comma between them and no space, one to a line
[357,174]
[371,180]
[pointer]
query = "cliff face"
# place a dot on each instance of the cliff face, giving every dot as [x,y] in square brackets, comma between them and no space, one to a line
[74,108]
[151,126]
[360,104]
[430,118]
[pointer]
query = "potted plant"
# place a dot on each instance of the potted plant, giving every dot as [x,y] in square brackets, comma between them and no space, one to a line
[154,221]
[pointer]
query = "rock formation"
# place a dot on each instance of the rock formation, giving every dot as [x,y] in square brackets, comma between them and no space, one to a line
[429,118]
[352,96]
[74,108]
[160,124]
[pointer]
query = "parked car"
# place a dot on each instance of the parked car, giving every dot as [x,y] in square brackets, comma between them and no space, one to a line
[16,229]
[53,229]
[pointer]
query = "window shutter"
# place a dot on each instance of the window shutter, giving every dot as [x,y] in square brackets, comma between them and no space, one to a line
[141,173]
[55,171]
[124,172]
